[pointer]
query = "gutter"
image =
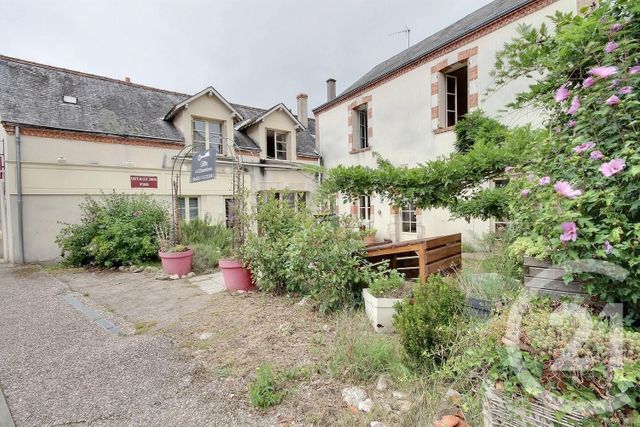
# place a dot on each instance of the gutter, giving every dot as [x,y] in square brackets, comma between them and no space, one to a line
[19,189]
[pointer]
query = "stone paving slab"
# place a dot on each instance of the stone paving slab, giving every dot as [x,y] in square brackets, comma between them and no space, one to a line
[209,283]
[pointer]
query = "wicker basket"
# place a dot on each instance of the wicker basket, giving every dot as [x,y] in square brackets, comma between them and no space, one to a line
[497,411]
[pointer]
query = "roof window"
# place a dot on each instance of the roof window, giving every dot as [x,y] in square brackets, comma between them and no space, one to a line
[68,99]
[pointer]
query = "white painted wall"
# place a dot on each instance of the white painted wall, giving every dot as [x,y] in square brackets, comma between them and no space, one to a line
[402,125]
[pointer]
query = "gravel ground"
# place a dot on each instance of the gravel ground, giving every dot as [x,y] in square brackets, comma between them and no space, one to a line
[59,367]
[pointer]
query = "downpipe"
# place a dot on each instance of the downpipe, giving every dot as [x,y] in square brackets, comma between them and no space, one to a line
[19,189]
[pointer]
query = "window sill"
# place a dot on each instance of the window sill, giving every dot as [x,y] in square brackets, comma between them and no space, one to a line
[443,130]
[359,150]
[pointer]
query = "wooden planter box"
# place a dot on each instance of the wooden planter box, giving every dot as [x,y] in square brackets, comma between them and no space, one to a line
[542,277]
[498,412]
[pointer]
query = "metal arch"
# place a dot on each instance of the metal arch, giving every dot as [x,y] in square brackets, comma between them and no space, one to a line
[176,175]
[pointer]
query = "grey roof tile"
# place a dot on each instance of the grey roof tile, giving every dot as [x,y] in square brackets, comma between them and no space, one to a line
[475,20]
[31,94]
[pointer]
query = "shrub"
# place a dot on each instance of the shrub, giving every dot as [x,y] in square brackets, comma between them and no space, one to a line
[476,126]
[210,243]
[114,230]
[263,391]
[429,321]
[293,252]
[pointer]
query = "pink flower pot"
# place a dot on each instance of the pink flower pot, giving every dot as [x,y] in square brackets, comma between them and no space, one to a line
[176,262]
[236,277]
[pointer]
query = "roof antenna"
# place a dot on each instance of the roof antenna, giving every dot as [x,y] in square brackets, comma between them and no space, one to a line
[406,30]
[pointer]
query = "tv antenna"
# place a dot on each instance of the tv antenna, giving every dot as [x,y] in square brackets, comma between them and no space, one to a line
[406,31]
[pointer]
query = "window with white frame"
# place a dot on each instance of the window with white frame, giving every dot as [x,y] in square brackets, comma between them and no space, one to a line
[276,145]
[188,208]
[456,94]
[208,131]
[363,127]
[364,208]
[409,220]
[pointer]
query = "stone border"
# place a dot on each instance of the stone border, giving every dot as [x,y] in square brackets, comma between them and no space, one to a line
[91,314]
[6,420]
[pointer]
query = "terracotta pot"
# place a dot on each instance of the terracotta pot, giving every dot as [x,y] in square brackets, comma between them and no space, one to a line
[236,277]
[370,239]
[176,262]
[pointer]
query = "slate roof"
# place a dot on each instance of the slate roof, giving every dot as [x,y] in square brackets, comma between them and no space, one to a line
[475,20]
[31,94]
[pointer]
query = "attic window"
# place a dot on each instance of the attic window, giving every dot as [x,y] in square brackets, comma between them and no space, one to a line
[68,99]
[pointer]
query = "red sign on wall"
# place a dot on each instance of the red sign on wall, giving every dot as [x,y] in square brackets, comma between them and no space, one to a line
[138,181]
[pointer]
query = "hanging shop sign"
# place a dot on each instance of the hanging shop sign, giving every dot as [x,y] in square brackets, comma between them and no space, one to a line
[203,165]
[138,181]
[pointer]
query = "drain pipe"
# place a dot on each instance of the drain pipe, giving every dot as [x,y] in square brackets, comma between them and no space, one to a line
[19,183]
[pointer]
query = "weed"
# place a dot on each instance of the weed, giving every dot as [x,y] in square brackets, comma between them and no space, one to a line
[263,390]
[143,327]
[220,371]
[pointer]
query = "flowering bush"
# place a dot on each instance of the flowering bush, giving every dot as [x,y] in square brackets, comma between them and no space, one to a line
[578,194]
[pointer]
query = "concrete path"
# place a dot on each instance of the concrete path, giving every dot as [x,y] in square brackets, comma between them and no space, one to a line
[209,283]
[58,366]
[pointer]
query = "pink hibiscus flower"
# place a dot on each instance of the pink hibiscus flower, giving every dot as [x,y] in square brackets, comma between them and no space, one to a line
[612,167]
[564,189]
[584,147]
[596,155]
[575,105]
[588,82]
[611,46]
[525,193]
[562,93]
[545,180]
[571,123]
[604,71]
[613,100]
[626,90]
[616,27]
[635,69]
[570,232]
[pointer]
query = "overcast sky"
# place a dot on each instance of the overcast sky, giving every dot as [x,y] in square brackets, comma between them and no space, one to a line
[255,52]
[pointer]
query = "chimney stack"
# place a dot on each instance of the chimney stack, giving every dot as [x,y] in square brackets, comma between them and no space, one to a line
[331,89]
[302,109]
[127,79]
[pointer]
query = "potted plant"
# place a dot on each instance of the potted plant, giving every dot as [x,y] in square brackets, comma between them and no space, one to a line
[386,289]
[236,276]
[369,234]
[175,257]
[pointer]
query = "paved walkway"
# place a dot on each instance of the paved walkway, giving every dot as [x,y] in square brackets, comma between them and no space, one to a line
[58,366]
[209,283]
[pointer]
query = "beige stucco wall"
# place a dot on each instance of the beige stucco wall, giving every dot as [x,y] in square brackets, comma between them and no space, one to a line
[403,128]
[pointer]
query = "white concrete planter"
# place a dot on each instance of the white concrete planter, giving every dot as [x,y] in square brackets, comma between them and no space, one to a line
[380,311]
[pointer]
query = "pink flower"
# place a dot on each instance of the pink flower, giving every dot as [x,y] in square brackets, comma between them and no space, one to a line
[616,27]
[603,72]
[584,147]
[626,90]
[508,169]
[607,247]
[612,167]
[563,188]
[562,93]
[588,82]
[613,100]
[570,232]
[575,104]
[571,123]
[635,69]
[611,46]
[525,192]
[545,180]
[596,155]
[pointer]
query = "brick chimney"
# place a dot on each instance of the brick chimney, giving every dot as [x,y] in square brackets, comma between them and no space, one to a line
[302,109]
[127,79]
[331,89]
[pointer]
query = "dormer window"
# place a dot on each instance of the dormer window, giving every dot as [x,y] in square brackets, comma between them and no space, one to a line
[208,131]
[276,145]
[68,99]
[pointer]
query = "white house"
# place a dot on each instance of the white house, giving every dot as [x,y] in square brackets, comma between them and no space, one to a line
[405,107]
[66,134]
